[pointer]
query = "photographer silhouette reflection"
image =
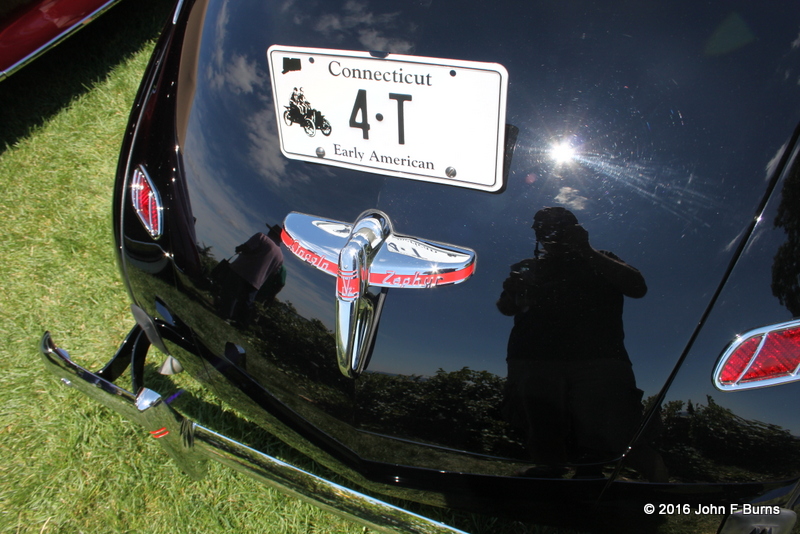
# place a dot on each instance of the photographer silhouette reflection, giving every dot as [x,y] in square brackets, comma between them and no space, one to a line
[570,386]
[257,270]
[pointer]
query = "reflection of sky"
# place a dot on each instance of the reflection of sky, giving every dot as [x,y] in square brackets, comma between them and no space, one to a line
[669,141]
[742,308]
[676,191]
[355,18]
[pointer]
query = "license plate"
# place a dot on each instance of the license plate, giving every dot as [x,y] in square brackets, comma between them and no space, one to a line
[435,120]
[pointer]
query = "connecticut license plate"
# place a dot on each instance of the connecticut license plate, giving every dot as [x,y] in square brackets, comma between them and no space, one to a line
[435,120]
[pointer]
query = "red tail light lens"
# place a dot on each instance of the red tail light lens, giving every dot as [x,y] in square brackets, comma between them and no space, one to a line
[764,357]
[739,360]
[147,202]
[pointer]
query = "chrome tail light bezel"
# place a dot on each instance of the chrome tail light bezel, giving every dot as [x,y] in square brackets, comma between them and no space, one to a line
[760,337]
[151,219]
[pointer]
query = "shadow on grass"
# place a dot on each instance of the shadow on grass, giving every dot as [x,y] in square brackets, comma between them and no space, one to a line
[48,84]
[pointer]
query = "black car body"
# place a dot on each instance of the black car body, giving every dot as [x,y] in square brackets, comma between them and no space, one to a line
[373,342]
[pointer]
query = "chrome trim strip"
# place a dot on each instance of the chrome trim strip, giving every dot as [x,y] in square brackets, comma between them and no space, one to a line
[741,339]
[57,39]
[177,12]
[191,445]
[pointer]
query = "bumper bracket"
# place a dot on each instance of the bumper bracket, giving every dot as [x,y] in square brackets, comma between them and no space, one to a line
[191,445]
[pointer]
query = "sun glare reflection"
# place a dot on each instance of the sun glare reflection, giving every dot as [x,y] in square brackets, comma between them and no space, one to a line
[668,188]
[585,174]
[562,152]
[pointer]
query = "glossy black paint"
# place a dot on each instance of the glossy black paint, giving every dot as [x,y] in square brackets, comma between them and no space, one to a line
[683,121]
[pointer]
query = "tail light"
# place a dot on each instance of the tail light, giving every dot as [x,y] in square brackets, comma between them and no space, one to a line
[763,357]
[147,202]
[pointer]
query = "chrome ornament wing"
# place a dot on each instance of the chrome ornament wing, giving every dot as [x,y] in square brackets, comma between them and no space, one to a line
[368,254]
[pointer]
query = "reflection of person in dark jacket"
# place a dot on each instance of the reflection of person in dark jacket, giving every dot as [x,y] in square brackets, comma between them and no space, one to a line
[570,383]
[259,259]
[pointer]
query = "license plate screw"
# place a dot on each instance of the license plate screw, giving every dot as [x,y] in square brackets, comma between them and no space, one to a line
[320,152]
[450,172]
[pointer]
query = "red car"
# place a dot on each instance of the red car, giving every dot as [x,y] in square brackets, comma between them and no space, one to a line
[28,28]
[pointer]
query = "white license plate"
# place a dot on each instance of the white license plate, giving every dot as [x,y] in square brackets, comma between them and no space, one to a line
[435,120]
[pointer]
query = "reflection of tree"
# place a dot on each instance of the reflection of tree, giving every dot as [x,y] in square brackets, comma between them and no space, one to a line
[423,408]
[284,331]
[207,259]
[786,264]
[711,443]
[303,350]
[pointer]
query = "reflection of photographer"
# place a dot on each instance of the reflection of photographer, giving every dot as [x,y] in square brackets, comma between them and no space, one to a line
[259,266]
[566,245]
[570,383]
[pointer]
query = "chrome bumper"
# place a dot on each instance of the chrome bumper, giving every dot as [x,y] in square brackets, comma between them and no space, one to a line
[190,444]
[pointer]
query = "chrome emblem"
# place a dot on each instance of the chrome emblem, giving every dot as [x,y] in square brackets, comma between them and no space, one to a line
[368,254]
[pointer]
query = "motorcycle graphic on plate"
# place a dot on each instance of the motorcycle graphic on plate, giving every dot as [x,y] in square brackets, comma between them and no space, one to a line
[300,111]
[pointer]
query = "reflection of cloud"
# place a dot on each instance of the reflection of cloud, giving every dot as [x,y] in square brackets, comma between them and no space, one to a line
[354,14]
[286,6]
[372,40]
[772,165]
[265,154]
[242,75]
[357,20]
[571,198]
[215,67]
[236,73]
[733,243]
